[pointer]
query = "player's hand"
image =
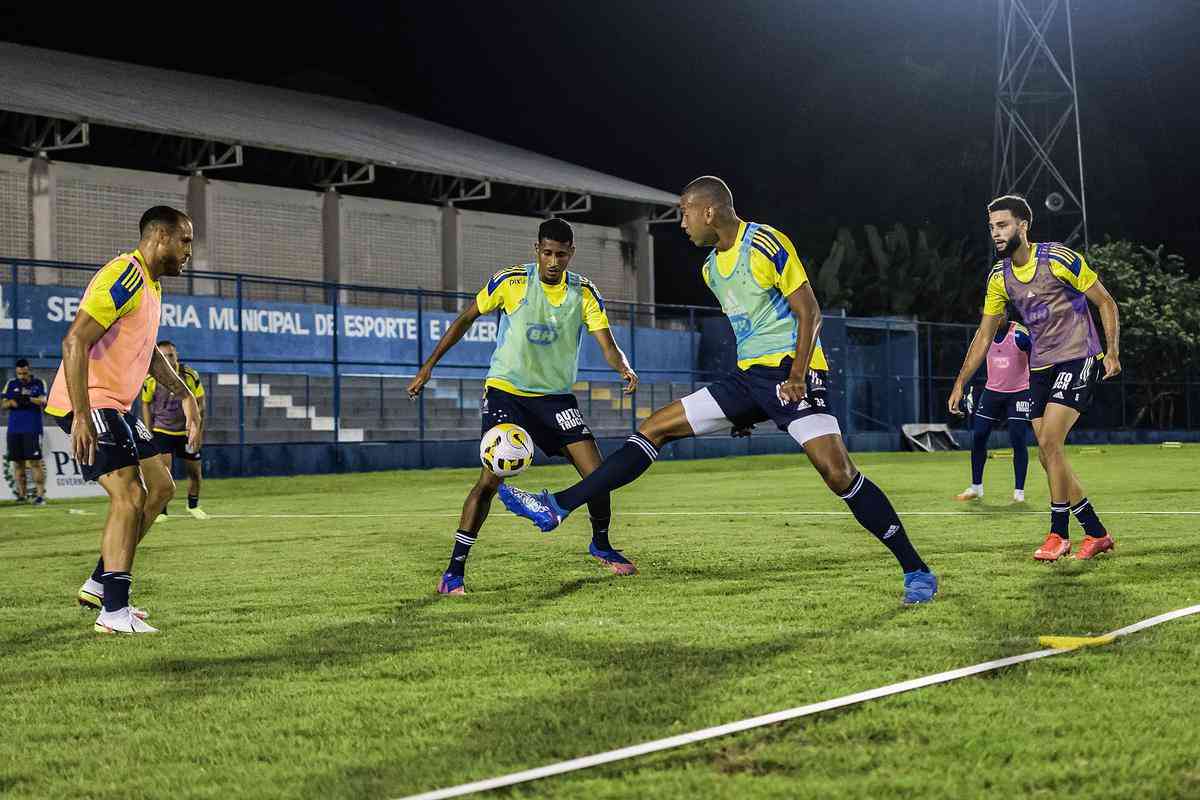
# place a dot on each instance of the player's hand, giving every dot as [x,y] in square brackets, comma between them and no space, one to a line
[191,411]
[955,399]
[792,391]
[418,383]
[83,439]
[1112,366]
[631,380]
[741,433]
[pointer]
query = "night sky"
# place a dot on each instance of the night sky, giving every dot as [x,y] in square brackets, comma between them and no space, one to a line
[818,114]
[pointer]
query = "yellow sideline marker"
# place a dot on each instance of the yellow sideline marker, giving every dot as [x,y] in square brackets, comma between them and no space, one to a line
[1075,642]
[1001,454]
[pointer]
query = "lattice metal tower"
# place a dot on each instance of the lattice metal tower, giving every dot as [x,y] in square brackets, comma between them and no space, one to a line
[1038,148]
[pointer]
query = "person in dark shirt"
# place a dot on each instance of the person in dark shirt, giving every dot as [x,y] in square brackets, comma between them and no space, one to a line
[24,397]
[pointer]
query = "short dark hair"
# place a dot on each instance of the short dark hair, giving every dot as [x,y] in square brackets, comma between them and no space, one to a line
[22,362]
[167,217]
[556,230]
[168,343]
[711,188]
[1018,205]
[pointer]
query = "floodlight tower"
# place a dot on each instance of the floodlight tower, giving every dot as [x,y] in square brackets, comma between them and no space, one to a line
[1038,148]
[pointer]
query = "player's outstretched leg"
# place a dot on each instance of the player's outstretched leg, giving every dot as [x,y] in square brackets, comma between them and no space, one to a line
[474,512]
[1018,437]
[873,511]
[585,456]
[624,466]
[981,428]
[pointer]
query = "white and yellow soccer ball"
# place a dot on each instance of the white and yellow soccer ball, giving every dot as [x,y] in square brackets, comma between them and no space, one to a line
[506,450]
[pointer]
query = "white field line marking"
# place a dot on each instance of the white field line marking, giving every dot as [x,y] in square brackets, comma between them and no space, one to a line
[1108,512]
[770,719]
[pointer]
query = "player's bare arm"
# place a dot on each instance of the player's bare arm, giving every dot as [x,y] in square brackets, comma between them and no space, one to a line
[1110,318]
[168,378]
[451,337]
[808,326]
[615,356]
[976,353]
[84,332]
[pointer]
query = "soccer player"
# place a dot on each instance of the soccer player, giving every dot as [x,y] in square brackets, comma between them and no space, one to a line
[25,396]
[1005,398]
[545,308]
[781,375]
[162,413]
[107,351]
[1050,286]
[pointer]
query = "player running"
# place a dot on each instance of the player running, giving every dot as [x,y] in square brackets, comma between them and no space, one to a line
[1050,285]
[162,413]
[529,381]
[1005,399]
[106,354]
[25,396]
[782,376]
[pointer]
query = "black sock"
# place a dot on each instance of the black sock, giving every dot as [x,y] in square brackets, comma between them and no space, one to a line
[462,548]
[164,511]
[874,512]
[600,531]
[116,590]
[1086,515]
[1060,518]
[98,572]
[979,440]
[622,467]
[1018,436]
[193,500]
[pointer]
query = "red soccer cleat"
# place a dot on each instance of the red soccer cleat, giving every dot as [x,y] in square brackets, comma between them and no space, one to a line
[1054,548]
[1094,546]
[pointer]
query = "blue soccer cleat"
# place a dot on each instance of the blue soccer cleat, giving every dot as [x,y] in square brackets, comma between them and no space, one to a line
[919,587]
[451,584]
[616,563]
[540,509]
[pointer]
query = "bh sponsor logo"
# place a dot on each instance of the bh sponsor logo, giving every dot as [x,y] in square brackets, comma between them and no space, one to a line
[541,334]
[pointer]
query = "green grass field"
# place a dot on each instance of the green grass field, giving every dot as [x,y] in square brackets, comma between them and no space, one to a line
[308,656]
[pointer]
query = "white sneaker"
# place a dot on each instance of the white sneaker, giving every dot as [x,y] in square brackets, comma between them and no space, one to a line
[970,493]
[122,621]
[1018,495]
[162,518]
[91,595]
[198,513]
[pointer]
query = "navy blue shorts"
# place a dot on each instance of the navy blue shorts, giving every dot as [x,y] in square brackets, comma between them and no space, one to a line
[174,445]
[123,441]
[1070,383]
[749,396]
[553,420]
[997,407]
[24,446]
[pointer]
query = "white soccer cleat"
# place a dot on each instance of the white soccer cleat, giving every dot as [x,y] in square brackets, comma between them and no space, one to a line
[970,493]
[162,518]
[198,513]
[91,595]
[122,621]
[1018,495]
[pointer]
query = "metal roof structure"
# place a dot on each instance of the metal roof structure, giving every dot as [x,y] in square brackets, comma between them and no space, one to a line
[79,89]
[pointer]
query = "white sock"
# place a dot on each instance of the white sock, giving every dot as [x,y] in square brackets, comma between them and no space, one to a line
[1018,494]
[977,488]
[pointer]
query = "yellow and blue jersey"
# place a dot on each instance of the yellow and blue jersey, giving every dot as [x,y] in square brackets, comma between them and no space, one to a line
[506,290]
[1065,264]
[774,265]
[116,291]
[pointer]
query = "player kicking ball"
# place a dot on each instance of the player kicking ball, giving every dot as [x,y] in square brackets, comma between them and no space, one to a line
[781,376]
[544,311]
